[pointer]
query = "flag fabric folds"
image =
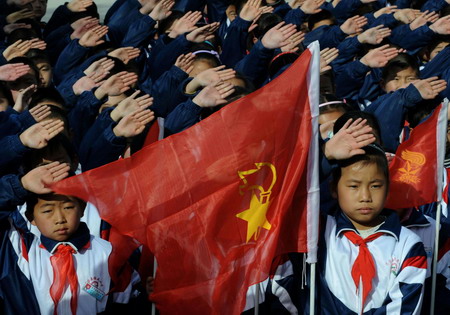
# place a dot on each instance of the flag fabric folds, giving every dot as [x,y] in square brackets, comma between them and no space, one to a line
[416,173]
[219,201]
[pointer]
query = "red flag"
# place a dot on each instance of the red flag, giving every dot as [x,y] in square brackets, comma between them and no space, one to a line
[215,203]
[416,171]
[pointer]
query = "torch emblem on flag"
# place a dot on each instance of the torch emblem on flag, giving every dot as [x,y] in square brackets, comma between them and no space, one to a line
[255,215]
[414,162]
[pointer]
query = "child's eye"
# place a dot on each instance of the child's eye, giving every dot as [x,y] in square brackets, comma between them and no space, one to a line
[47,211]
[69,207]
[353,186]
[376,186]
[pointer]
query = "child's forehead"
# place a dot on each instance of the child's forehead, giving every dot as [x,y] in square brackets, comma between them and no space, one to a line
[363,168]
[55,198]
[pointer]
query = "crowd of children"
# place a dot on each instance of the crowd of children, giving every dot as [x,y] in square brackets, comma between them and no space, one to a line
[77,93]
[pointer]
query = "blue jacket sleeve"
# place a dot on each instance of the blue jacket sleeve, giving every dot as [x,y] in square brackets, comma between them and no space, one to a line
[57,41]
[296,16]
[402,35]
[328,36]
[11,122]
[12,192]
[139,32]
[61,16]
[390,110]
[437,65]
[120,21]
[101,146]
[255,65]
[434,5]
[69,59]
[235,42]
[167,93]
[13,152]
[161,60]
[350,79]
[182,117]
[348,49]
[83,115]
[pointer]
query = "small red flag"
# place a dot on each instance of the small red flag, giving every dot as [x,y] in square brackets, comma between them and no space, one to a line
[416,173]
[219,201]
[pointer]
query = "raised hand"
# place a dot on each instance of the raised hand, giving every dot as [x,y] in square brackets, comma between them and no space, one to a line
[40,112]
[17,49]
[102,65]
[423,19]
[23,98]
[379,57]
[8,28]
[11,72]
[354,24]
[37,43]
[116,84]
[162,10]
[19,15]
[88,82]
[214,95]
[83,25]
[441,26]
[203,33]
[294,4]
[185,24]
[327,55]
[39,179]
[125,53]
[38,135]
[374,35]
[210,77]
[312,6]
[79,5]
[93,37]
[349,140]
[406,15]
[385,10]
[430,88]
[185,62]
[134,123]
[278,36]
[294,42]
[250,10]
[131,104]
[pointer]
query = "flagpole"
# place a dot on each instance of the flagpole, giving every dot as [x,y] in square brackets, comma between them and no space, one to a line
[155,266]
[435,258]
[312,289]
[257,299]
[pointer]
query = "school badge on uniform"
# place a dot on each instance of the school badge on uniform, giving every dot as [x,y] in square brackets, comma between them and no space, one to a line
[94,288]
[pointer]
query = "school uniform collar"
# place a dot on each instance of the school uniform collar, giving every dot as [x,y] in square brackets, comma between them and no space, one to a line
[77,241]
[390,226]
[416,218]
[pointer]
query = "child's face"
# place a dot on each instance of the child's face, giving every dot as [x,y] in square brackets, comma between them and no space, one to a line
[438,49]
[45,73]
[361,193]
[57,217]
[401,80]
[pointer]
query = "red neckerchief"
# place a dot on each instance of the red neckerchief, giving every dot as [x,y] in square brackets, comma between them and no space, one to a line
[364,266]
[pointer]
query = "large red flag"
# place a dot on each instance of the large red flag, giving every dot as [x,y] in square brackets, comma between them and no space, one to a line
[416,173]
[217,202]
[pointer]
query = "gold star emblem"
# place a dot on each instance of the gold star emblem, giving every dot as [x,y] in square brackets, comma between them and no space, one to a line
[256,217]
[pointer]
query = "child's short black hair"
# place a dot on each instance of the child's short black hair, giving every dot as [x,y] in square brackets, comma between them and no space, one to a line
[49,94]
[401,62]
[355,114]
[23,34]
[374,155]
[38,56]
[32,200]
[316,18]
[165,24]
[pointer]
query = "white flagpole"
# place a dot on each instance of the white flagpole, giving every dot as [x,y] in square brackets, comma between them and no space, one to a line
[257,299]
[435,258]
[441,140]
[155,266]
[312,289]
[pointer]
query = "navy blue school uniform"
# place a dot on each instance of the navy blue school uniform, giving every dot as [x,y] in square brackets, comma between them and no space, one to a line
[83,115]
[56,41]
[167,91]
[72,56]
[402,36]
[296,17]
[120,21]
[329,36]
[12,122]
[438,65]
[61,16]
[140,32]
[255,65]
[182,117]
[434,5]
[234,45]
[390,110]
[100,145]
